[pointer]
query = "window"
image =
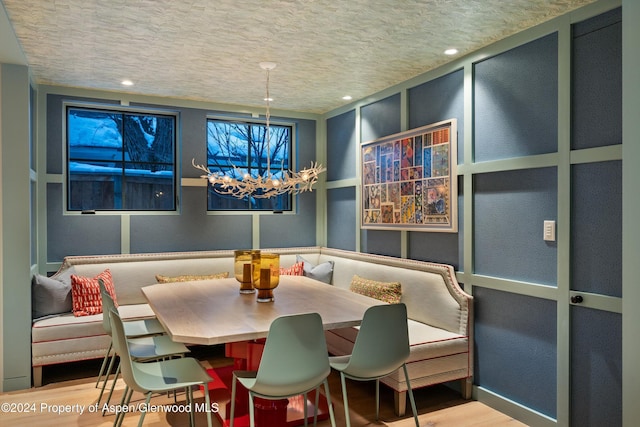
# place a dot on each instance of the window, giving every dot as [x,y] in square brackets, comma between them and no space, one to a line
[235,148]
[120,160]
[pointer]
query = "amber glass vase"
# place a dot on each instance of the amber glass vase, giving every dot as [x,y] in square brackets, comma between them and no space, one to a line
[246,263]
[268,276]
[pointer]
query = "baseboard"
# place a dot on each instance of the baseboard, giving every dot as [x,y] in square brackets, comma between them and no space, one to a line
[17,383]
[513,409]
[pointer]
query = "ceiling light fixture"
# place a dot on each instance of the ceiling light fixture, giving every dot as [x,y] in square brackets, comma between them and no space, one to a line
[241,184]
[451,51]
[127,83]
[347,97]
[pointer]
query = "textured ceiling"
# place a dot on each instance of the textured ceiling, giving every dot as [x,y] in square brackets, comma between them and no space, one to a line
[210,49]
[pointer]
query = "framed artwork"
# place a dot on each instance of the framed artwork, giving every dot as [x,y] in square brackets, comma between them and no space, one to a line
[409,180]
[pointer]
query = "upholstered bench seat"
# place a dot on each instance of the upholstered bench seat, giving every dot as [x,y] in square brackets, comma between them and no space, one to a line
[440,312]
[66,338]
[78,327]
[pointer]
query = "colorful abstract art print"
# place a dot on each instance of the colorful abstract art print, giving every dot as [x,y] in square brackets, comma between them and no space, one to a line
[409,180]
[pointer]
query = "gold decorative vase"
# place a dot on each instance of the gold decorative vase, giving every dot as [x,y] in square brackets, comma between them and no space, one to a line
[245,264]
[268,276]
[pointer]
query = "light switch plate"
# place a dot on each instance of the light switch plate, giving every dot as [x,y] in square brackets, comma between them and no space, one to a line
[550,231]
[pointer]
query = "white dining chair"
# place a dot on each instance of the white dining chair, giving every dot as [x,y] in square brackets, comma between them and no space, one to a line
[381,347]
[294,362]
[157,377]
[146,338]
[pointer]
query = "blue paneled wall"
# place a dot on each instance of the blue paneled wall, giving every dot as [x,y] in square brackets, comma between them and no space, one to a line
[341,218]
[341,140]
[509,208]
[431,102]
[597,57]
[378,119]
[516,348]
[438,100]
[596,221]
[596,368]
[516,114]
[541,144]
[516,102]
[596,228]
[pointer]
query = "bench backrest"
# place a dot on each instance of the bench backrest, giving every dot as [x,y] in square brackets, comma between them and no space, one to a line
[430,291]
[131,272]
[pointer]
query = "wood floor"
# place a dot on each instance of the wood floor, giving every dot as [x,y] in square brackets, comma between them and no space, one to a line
[69,397]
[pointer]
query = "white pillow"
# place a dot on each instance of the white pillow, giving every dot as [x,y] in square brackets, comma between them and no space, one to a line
[322,272]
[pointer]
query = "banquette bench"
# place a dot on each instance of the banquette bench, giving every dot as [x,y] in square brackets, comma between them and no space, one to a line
[440,312]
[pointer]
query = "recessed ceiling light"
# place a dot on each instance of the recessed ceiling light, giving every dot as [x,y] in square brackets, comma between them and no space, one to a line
[127,83]
[347,98]
[268,99]
[451,51]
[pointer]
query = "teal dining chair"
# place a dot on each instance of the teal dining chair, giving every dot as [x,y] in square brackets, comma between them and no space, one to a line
[134,328]
[157,377]
[381,347]
[146,342]
[294,362]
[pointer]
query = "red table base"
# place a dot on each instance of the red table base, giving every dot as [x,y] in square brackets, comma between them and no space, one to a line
[268,413]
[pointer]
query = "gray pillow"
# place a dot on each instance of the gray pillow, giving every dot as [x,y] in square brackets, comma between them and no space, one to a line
[50,296]
[322,272]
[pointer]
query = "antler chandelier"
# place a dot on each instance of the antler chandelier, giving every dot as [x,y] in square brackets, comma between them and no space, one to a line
[266,185]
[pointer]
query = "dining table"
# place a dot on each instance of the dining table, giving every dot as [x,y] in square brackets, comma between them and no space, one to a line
[212,312]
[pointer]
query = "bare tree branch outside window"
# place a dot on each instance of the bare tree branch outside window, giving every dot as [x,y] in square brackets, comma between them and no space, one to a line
[236,148]
[120,160]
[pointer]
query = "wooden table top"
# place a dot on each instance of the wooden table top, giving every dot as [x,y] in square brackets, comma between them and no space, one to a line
[213,311]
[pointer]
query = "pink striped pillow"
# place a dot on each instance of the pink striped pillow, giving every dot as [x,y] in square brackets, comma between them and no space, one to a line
[296,269]
[85,293]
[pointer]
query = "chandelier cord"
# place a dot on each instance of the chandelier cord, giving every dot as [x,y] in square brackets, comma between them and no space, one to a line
[263,186]
[268,130]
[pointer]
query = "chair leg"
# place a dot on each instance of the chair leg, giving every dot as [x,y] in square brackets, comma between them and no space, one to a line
[106,377]
[315,407]
[207,400]
[189,397]
[329,403]
[143,413]
[411,399]
[377,399]
[233,400]
[126,398]
[306,423]
[345,400]
[113,383]
[104,364]
[252,415]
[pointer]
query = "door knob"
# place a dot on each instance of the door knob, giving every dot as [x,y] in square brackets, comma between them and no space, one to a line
[576,299]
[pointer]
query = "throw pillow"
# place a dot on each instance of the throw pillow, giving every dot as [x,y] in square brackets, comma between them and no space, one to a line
[389,292]
[296,269]
[322,272]
[85,293]
[189,277]
[50,296]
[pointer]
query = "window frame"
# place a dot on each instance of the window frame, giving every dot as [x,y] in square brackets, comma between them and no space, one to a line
[124,110]
[254,120]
